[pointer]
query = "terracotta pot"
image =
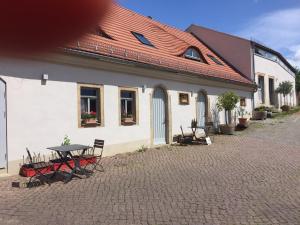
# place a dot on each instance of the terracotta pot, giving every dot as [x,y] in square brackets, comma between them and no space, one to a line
[89,121]
[227,129]
[243,121]
[28,171]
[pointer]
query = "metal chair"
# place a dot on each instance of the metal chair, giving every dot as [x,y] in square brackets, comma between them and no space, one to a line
[97,166]
[40,169]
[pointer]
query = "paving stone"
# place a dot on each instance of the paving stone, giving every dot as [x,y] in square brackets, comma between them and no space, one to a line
[251,178]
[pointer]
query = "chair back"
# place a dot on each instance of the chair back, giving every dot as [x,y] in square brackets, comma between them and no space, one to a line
[182,131]
[99,144]
[29,156]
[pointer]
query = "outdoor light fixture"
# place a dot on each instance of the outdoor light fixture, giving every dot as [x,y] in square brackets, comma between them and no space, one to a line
[45,77]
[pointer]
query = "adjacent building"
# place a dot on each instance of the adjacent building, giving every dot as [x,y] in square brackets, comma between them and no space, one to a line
[265,66]
[131,82]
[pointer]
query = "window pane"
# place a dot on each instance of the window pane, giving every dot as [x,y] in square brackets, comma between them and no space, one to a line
[192,53]
[142,39]
[89,92]
[84,105]
[129,108]
[123,108]
[127,94]
[93,105]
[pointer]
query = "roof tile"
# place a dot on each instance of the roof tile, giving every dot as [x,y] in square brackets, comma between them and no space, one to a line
[170,44]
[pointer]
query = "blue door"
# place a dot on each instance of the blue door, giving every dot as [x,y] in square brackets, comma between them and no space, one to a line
[201,109]
[159,116]
[2,125]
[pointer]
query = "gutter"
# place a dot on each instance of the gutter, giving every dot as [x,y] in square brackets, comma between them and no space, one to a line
[149,66]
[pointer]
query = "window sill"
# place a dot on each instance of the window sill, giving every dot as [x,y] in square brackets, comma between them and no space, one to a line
[90,125]
[128,124]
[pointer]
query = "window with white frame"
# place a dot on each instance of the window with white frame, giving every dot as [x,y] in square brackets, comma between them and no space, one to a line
[90,105]
[128,107]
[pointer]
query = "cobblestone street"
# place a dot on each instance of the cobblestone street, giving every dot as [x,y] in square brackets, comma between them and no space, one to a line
[252,178]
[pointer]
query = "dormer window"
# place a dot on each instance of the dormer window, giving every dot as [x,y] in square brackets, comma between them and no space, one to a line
[194,54]
[142,39]
[99,32]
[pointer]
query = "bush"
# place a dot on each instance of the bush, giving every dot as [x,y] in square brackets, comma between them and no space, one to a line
[227,101]
[262,109]
[285,108]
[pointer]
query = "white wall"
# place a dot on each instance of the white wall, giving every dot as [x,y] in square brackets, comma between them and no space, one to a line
[39,116]
[271,69]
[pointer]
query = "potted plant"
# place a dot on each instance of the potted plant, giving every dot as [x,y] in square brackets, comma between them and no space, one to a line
[194,123]
[285,108]
[260,113]
[89,118]
[242,120]
[227,102]
[285,88]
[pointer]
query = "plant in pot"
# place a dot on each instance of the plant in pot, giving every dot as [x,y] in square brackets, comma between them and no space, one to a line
[285,88]
[242,120]
[89,118]
[260,113]
[227,102]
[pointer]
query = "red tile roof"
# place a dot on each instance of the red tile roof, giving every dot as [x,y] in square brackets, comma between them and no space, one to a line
[170,44]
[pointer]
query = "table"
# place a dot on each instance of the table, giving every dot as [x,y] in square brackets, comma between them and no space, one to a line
[64,152]
[194,130]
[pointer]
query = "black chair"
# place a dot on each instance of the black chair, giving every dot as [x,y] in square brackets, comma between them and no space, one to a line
[40,169]
[97,166]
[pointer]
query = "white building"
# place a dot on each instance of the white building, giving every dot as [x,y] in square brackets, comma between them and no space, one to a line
[140,79]
[259,63]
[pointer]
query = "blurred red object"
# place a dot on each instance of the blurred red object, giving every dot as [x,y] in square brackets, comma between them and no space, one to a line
[39,25]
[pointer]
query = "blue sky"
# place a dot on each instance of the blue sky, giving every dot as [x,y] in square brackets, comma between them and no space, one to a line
[273,22]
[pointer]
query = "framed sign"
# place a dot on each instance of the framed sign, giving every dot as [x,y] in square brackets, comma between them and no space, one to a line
[243,102]
[184,99]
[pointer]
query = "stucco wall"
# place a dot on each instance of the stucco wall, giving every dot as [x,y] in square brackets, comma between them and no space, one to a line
[40,115]
[270,69]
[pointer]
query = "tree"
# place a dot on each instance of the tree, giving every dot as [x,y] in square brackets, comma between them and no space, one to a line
[227,101]
[285,88]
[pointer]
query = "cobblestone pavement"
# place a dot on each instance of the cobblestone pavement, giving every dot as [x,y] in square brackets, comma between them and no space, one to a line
[248,179]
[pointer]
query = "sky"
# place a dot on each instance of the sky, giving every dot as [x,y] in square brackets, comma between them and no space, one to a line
[275,23]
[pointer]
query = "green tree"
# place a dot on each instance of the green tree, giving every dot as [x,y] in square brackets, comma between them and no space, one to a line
[227,101]
[285,88]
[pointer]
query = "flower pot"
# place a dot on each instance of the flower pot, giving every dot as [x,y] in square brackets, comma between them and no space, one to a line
[227,129]
[88,161]
[285,108]
[243,122]
[28,171]
[257,115]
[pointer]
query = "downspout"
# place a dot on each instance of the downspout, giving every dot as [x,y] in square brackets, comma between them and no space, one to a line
[252,73]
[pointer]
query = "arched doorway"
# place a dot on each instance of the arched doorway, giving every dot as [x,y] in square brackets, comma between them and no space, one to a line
[159,116]
[202,108]
[3,145]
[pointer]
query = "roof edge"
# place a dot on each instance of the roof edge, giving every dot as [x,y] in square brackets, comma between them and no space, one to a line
[247,40]
[145,65]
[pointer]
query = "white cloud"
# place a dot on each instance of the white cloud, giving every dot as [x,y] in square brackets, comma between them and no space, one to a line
[279,30]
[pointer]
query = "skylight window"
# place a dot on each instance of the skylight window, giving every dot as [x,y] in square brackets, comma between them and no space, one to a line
[142,39]
[215,60]
[99,32]
[193,53]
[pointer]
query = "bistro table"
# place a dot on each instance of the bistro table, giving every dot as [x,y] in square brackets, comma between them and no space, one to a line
[66,155]
[194,130]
